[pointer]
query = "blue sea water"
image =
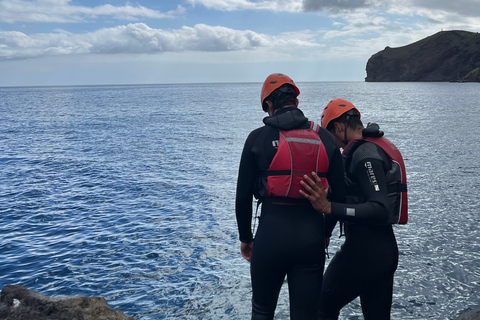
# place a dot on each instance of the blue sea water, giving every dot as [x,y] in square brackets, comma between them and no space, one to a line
[127,192]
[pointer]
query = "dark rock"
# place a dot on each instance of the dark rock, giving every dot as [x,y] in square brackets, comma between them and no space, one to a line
[19,303]
[444,56]
[470,315]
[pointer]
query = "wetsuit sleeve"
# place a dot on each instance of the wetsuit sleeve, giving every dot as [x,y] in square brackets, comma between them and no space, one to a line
[245,190]
[370,175]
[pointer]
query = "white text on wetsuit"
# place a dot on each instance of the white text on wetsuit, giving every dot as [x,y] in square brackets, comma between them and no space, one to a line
[371,176]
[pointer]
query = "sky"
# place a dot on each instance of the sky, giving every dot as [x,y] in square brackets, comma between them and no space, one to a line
[87,42]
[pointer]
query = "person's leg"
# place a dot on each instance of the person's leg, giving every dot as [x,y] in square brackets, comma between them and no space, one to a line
[340,286]
[377,300]
[377,292]
[267,281]
[267,271]
[304,285]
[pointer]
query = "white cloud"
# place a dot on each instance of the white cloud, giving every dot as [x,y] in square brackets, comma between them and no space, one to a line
[138,38]
[320,5]
[285,5]
[269,5]
[462,7]
[347,34]
[62,11]
[447,20]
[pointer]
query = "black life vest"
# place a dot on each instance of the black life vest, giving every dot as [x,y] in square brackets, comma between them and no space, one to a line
[396,176]
[300,152]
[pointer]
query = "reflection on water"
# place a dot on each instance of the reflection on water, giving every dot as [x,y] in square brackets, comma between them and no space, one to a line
[127,192]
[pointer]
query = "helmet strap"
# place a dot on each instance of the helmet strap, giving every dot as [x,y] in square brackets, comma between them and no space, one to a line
[345,141]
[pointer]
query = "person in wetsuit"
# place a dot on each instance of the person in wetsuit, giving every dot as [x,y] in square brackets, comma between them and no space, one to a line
[290,240]
[365,265]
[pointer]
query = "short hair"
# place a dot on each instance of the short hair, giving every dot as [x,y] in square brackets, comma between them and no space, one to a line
[282,96]
[351,118]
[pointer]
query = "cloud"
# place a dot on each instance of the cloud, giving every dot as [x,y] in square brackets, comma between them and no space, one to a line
[62,11]
[320,5]
[470,8]
[287,5]
[268,5]
[138,38]
[462,7]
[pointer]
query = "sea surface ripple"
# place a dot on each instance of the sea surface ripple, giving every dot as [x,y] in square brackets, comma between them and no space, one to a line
[128,192]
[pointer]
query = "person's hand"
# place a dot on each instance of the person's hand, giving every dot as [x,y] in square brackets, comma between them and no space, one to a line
[317,195]
[246,249]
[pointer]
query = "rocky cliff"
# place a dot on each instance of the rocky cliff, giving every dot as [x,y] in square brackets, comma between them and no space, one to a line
[19,303]
[444,56]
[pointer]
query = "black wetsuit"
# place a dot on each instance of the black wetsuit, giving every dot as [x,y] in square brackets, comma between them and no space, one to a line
[290,240]
[366,263]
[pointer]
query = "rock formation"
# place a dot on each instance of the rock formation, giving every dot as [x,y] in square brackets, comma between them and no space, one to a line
[444,56]
[19,303]
[469,315]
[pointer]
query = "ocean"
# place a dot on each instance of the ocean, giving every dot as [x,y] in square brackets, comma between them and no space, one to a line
[128,192]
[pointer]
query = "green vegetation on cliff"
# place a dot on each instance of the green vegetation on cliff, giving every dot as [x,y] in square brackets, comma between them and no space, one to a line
[472,76]
[444,56]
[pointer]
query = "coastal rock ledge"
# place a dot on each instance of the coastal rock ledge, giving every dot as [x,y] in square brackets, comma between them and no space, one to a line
[445,56]
[19,303]
[473,314]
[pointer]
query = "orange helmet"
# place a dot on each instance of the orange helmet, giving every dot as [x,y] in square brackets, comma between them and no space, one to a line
[273,82]
[335,109]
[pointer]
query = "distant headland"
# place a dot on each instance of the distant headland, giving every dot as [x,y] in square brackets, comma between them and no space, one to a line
[445,56]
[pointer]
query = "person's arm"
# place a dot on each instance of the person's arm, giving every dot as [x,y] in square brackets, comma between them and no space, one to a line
[245,189]
[315,193]
[246,249]
[371,178]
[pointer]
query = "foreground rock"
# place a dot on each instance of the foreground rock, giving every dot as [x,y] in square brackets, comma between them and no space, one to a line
[444,56]
[470,315]
[19,303]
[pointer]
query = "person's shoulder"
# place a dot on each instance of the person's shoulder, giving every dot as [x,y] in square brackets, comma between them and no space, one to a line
[327,137]
[371,147]
[368,150]
[257,131]
[254,134]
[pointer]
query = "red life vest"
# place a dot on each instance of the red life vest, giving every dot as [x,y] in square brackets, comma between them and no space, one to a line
[396,177]
[300,152]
